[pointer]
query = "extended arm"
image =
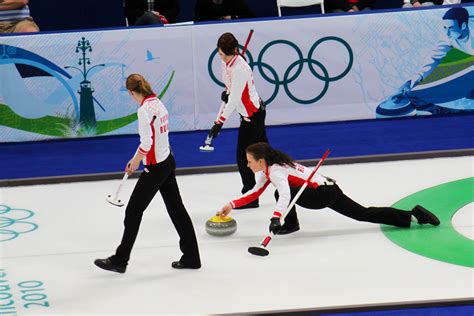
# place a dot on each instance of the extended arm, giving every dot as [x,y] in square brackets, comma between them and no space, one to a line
[250,196]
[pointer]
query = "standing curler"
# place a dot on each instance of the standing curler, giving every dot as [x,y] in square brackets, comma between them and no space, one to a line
[240,95]
[154,151]
[207,147]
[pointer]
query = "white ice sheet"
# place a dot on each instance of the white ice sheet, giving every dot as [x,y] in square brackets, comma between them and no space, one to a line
[332,261]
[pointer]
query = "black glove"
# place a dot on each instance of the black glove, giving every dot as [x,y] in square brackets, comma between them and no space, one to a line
[224,96]
[275,225]
[215,130]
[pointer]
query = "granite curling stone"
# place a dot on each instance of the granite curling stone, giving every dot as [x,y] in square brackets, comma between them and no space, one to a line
[221,226]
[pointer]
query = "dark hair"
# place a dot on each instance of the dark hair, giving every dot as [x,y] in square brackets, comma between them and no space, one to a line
[138,84]
[459,14]
[270,155]
[228,44]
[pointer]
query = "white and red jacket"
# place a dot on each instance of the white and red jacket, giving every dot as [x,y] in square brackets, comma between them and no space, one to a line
[243,97]
[153,130]
[282,178]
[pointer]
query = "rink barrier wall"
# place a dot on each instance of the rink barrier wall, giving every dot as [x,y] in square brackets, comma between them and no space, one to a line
[336,68]
[351,141]
[233,168]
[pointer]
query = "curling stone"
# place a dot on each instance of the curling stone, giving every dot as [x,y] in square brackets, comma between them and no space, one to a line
[221,226]
[395,107]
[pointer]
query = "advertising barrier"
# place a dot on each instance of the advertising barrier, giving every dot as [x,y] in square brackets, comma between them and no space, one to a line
[315,69]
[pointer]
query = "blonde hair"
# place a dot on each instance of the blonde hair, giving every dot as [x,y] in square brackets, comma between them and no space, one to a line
[138,84]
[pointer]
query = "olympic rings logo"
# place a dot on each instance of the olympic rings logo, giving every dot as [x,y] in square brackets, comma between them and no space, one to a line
[274,79]
[13,222]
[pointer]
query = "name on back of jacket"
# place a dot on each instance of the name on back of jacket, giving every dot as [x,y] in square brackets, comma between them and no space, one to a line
[164,124]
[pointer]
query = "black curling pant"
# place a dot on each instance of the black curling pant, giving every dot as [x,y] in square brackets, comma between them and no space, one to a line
[161,177]
[250,133]
[331,196]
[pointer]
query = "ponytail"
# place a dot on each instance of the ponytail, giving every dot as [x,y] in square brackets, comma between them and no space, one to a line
[270,155]
[138,84]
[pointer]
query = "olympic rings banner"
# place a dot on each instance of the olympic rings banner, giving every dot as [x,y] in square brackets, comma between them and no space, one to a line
[327,68]
[335,68]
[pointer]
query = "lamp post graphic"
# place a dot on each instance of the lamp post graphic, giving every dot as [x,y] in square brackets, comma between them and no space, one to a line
[87,114]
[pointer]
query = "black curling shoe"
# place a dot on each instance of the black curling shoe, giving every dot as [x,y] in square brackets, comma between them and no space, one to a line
[106,264]
[181,265]
[288,229]
[423,216]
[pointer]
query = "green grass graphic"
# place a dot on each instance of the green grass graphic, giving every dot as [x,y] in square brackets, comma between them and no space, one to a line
[62,126]
[455,61]
[47,125]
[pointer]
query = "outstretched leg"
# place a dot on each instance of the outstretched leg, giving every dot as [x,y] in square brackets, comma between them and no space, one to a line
[382,215]
[332,196]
